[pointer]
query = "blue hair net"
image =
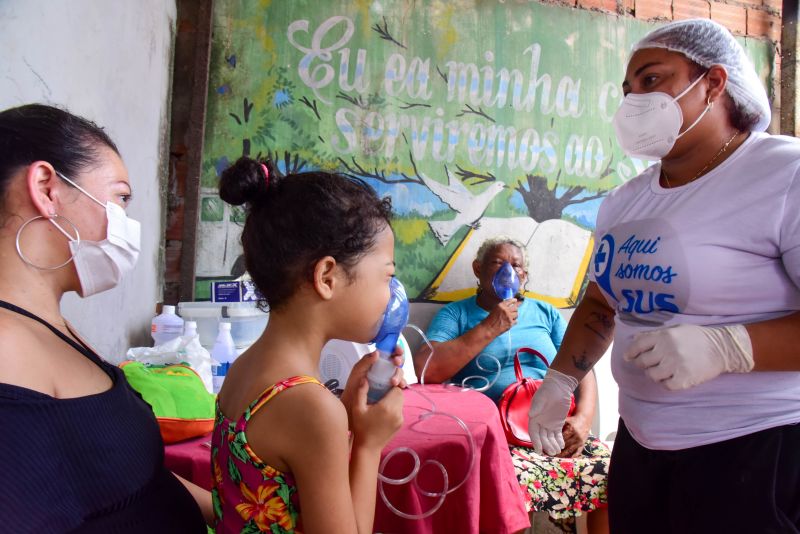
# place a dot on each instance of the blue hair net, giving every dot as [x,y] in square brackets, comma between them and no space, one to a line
[708,43]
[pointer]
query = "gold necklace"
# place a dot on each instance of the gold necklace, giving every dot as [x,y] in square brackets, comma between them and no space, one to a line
[700,173]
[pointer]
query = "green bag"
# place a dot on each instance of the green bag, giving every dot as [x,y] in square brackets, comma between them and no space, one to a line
[183,407]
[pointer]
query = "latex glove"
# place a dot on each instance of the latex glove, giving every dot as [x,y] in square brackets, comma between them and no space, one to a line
[549,410]
[687,355]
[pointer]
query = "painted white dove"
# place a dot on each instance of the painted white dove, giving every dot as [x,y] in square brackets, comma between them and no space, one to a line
[468,207]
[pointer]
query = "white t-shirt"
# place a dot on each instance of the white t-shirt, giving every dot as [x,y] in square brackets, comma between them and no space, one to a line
[724,249]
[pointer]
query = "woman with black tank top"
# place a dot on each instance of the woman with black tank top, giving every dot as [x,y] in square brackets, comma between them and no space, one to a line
[80,451]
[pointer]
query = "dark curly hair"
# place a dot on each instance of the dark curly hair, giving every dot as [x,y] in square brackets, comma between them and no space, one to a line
[295,220]
[40,132]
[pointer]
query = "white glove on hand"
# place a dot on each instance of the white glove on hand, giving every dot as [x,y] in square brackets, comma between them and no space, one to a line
[687,355]
[548,412]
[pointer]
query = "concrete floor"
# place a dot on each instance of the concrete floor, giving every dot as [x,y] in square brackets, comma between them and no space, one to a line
[541,524]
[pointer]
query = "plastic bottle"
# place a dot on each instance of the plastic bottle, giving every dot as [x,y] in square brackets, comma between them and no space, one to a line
[223,352]
[167,326]
[394,320]
[190,329]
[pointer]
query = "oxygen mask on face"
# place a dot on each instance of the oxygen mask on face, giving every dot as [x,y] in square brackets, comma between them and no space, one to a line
[394,320]
[505,282]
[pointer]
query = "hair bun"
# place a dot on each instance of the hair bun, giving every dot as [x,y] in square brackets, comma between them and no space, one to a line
[245,181]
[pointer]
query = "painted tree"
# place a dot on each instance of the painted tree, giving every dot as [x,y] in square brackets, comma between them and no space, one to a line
[541,196]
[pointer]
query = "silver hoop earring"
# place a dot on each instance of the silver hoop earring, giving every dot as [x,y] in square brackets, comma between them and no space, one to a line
[29,262]
[709,103]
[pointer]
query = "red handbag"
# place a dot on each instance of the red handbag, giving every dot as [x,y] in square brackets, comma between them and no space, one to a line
[515,402]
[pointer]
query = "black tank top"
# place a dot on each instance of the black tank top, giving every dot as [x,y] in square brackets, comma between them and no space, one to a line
[92,464]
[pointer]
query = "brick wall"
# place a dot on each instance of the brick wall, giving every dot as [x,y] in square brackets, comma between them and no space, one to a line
[753,18]
[760,19]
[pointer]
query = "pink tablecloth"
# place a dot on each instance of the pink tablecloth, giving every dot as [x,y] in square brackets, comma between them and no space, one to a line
[489,501]
[191,459]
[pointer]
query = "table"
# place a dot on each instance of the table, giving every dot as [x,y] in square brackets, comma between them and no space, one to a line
[489,501]
[191,460]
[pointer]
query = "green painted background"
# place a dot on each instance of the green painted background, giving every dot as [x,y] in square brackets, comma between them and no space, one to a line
[397,90]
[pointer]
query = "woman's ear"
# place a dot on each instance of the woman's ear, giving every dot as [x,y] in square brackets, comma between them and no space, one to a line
[476,269]
[717,82]
[40,178]
[326,277]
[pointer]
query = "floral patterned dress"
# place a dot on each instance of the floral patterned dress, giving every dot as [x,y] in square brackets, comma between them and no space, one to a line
[248,495]
[564,487]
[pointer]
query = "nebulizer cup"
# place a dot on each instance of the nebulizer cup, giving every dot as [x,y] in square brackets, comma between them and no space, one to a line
[394,320]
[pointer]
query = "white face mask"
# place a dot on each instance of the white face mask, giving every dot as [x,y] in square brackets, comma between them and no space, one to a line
[102,264]
[647,125]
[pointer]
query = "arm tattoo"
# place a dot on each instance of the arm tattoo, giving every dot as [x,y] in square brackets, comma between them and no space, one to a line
[582,362]
[600,324]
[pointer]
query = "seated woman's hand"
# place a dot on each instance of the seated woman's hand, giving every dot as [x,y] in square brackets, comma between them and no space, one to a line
[575,432]
[503,316]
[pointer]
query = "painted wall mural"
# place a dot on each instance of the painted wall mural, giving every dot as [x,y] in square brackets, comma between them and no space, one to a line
[477,117]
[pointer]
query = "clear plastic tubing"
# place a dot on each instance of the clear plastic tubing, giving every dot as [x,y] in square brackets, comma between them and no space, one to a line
[505,284]
[411,477]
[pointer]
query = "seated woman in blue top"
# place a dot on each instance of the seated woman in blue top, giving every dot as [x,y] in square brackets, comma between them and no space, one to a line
[470,334]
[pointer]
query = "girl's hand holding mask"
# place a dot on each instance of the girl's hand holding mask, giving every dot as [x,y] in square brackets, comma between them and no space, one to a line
[374,424]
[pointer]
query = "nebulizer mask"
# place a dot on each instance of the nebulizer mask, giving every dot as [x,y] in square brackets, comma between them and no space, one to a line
[505,282]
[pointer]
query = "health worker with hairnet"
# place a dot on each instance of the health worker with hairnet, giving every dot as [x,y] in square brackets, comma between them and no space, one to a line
[696,278]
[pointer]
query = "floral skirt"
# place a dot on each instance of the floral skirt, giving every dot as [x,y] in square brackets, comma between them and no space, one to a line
[564,487]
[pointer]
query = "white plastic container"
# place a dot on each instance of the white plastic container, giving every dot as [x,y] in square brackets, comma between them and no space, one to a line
[224,352]
[206,315]
[247,321]
[166,326]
